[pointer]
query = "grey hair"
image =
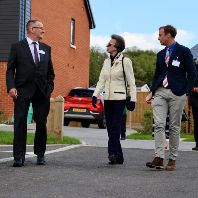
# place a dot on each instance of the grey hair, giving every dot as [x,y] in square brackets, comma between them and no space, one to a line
[30,22]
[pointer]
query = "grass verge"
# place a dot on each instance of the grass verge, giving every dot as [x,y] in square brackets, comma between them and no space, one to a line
[142,136]
[6,137]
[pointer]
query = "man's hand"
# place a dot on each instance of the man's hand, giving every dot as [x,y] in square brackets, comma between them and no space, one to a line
[94,101]
[13,93]
[149,98]
[195,89]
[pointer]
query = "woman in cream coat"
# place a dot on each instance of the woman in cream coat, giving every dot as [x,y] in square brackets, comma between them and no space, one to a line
[112,82]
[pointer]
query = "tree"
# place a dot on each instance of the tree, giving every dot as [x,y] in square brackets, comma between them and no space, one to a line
[97,58]
[143,65]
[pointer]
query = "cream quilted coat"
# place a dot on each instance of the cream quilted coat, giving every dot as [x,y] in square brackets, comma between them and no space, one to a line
[111,79]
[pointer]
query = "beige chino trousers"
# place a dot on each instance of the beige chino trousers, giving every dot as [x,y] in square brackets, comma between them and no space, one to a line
[165,102]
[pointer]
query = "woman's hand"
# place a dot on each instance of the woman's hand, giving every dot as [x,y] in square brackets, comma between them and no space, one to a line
[132,105]
[94,101]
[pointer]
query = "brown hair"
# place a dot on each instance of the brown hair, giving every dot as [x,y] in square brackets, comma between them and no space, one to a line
[169,29]
[120,43]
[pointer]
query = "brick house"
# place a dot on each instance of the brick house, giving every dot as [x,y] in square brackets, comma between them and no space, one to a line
[67,24]
[194,51]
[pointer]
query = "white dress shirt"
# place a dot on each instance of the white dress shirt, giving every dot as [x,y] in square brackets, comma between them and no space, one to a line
[31,46]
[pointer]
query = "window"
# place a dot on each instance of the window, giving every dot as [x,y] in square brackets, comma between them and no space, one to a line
[81,92]
[72,38]
[25,15]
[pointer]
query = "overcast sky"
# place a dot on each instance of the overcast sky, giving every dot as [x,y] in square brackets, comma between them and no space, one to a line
[138,21]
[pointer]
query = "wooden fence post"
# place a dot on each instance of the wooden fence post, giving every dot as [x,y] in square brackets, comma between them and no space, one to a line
[58,117]
[50,118]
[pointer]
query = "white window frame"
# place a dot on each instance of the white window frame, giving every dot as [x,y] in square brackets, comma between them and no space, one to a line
[72,34]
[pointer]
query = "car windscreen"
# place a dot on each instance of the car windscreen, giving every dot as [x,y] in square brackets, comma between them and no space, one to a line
[81,93]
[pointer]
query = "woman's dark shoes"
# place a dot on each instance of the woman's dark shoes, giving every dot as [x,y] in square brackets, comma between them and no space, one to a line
[117,162]
[18,162]
[41,160]
[113,160]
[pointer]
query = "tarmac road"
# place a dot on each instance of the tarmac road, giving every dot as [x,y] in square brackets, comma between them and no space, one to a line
[82,172]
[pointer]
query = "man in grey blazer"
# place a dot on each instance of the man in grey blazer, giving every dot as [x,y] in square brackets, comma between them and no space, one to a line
[173,80]
[30,78]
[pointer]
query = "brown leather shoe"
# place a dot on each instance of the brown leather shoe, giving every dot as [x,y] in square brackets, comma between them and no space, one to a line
[156,163]
[171,165]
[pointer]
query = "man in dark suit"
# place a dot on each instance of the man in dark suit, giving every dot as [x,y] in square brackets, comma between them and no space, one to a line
[30,78]
[173,80]
[193,101]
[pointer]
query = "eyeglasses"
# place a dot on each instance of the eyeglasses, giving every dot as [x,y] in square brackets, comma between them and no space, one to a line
[41,28]
[109,44]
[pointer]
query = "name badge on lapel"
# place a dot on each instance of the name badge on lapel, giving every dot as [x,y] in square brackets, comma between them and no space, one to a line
[41,52]
[176,63]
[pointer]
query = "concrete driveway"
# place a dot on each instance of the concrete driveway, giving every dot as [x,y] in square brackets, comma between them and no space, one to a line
[98,137]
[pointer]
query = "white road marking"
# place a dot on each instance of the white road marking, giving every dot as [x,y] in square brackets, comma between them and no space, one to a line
[31,154]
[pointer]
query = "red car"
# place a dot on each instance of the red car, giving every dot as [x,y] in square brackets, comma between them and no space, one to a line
[78,107]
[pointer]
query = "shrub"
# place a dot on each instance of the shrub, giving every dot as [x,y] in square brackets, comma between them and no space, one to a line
[148,122]
[1,117]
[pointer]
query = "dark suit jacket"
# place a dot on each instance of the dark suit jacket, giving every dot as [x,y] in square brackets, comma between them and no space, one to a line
[193,99]
[181,78]
[24,75]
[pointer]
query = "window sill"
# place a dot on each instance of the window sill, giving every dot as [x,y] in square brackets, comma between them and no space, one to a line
[73,46]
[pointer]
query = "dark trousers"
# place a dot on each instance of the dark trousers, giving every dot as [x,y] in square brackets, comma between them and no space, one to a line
[123,126]
[195,117]
[113,114]
[40,106]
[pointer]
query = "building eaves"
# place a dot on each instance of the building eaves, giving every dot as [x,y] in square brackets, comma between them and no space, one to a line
[92,24]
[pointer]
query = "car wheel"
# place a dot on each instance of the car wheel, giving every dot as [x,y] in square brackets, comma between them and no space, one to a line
[66,122]
[85,124]
[102,124]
